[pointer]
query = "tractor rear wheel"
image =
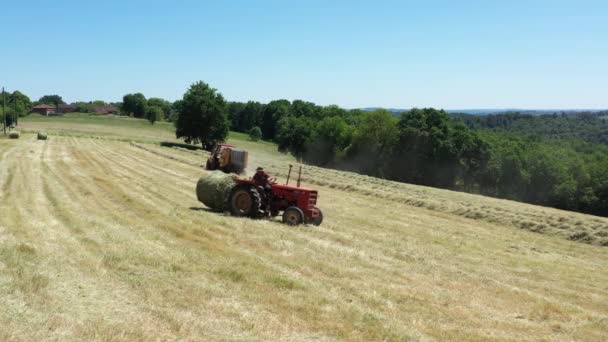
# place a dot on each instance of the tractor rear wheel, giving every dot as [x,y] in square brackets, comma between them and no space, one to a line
[245,201]
[293,216]
[211,164]
[319,219]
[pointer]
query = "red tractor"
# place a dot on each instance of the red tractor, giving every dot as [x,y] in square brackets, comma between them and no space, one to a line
[298,204]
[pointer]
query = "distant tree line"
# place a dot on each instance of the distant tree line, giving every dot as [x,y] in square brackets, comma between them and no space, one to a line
[557,160]
[20,104]
[588,126]
[552,160]
[563,173]
[154,109]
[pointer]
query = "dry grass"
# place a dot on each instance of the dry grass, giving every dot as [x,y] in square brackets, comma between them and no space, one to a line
[105,240]
[569,225]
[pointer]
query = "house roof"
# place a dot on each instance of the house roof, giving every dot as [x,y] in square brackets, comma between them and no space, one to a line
[43,106]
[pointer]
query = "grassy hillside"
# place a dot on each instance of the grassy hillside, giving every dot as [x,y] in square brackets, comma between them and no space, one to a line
[101,237]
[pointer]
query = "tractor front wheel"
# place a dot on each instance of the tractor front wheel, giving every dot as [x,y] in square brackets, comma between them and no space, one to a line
[245,201]
[293,216]
[319,219]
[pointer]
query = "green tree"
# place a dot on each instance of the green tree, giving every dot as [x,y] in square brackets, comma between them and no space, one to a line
[234,114]
[6,117]
[82,107]
[473,154]
[305,109]
[372,143]
[330,137]
[244,116]
[252,115]
[19,103]
[135,104]
[255,133]
[294,135]
[176,108]
[333,110]
[272,114]
[163,104]
[154,113]
[54,100]
[203,116]
[427,152]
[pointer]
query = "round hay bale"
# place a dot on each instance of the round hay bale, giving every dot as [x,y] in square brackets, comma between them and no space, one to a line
[14,135]
[42,136]
[213,189]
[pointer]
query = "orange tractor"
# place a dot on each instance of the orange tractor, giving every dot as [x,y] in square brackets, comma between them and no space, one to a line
[250,199]
[228,159]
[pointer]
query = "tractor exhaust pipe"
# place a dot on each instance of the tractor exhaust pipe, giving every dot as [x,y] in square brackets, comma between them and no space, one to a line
[299,175]
[288,174]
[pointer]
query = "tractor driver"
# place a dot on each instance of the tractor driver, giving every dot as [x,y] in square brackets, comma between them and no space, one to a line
[262,179]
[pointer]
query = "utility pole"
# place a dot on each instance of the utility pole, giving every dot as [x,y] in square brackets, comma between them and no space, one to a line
[16,118]
[4,109]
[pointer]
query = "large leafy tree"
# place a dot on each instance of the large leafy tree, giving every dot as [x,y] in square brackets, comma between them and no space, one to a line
[203,116]
[473,153]
[54,100]
[272,114]
[294,135]
[333,110]
[372,143]
[154,113]
[427,153]
[17,103]
[163,104]
[306,109]
[176,108]
[234,114]
[251,116]
[135,104]
[331,135]
[244,116]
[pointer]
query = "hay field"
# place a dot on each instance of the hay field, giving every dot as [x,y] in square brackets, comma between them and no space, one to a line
[101,237]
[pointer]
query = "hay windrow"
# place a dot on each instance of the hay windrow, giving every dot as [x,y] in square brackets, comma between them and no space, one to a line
[213,189]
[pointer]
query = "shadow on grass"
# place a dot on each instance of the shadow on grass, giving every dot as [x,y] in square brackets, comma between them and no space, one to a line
[181,145]
[203,209]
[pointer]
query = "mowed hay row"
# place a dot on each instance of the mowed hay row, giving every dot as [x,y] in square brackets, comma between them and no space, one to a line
[174,154]
[142,264]
[98,264]
[570,225]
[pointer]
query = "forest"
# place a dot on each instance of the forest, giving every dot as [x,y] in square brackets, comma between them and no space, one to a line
[588,126]
[557,160]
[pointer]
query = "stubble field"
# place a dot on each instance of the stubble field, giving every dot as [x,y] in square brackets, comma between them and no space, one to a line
[101,237]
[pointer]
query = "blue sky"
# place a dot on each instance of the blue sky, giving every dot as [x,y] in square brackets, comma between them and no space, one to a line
[444,54]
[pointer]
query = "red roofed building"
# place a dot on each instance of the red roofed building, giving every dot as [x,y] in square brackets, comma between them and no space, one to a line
[43,109]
